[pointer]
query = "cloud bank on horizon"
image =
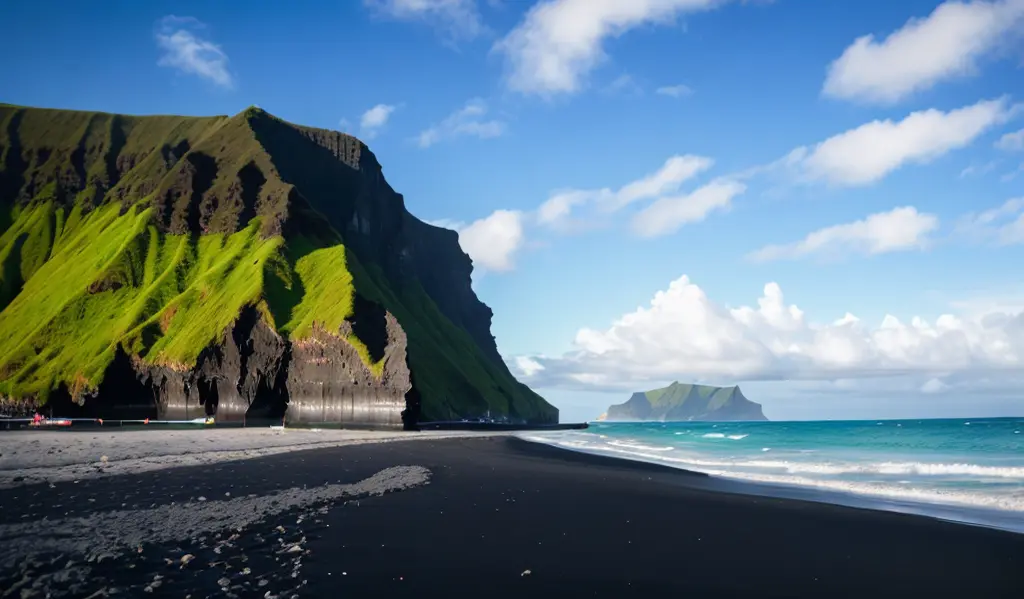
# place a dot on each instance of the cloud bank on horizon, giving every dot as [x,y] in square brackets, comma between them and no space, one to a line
[683,334]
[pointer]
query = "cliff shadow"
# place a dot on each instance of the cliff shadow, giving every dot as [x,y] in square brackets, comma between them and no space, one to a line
[60,405]
[122,395]
[369,324]
[270,402]
[118,140]
[282,286]
[67,187]
[329,184]
[11,284]
[12,179]
[413,402]
[263,357]
[209,396]
[251,180]
[181,203]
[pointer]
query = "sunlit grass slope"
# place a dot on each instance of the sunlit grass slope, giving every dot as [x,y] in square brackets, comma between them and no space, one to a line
[107,266]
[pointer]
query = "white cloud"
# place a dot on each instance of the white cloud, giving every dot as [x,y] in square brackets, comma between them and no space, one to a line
[946,44]
[187,51]
[675,91]
[470,120]
[624,84]
[871,151]
[976,170]
[667,214]
[491,242]
[676,171]
[668,179]
[1011,142]
[458,19]
[556,210]
[1003,225]
[1010,176]
[560,41]
[934,386]
[684,335]
[373,119]
[900,229]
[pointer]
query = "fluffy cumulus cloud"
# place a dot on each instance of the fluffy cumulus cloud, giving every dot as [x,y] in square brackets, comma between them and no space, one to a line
[184,48]
[946,44]
[457,19]
[868,153]
[560,41]
[1002,225]
[667,207]
[374,119]
[685,335]
[899,229]
[491,242]
[469,121]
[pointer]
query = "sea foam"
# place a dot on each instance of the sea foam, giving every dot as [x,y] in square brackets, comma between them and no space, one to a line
[927,464]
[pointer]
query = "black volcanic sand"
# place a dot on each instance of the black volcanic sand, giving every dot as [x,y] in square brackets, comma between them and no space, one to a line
[504,518]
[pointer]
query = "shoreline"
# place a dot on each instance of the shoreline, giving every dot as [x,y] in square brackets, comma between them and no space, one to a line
[473,513]
[99,453]
[992,519]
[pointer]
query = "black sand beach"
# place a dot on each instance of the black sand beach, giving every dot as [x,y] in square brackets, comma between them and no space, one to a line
[499,518]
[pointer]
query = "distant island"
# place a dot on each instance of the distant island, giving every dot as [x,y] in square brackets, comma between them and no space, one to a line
[685,402]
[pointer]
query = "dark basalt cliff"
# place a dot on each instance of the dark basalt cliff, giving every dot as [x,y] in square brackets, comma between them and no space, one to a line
[241,267]
[680,402]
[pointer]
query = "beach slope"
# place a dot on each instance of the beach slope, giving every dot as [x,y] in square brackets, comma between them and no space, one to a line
[469,516]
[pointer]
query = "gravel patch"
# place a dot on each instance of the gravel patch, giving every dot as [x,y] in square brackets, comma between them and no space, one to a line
[29,457]
[230,544]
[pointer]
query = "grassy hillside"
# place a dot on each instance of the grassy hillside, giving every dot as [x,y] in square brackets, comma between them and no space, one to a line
[708,398]
[153,234]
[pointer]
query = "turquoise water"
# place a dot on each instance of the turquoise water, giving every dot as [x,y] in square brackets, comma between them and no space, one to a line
[970,470]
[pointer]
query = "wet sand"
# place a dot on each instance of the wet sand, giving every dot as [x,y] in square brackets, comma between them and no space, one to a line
[471,517]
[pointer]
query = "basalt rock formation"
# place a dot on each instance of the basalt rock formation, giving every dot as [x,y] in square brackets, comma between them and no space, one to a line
[681,402]
[238,267]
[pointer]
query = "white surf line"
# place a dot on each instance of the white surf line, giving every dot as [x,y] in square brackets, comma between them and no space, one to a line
[90,466]
[111,533]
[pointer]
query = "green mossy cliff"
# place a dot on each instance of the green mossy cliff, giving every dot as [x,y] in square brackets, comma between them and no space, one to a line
[682,402]
[237,266]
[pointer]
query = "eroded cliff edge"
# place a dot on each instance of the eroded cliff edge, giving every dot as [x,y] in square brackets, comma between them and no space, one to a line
[237,266]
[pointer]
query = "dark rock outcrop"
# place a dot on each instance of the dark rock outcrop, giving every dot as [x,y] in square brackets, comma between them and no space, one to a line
[429,353]
[256,376]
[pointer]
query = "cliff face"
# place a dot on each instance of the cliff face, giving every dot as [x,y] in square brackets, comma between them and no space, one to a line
[231,266]
[679,402]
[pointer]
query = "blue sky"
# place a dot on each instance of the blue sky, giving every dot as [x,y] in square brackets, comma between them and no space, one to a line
[861,157]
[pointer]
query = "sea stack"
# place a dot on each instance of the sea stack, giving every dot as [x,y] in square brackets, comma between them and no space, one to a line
[682,402]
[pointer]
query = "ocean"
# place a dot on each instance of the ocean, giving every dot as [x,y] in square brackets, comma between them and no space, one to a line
[968,470]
